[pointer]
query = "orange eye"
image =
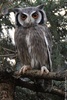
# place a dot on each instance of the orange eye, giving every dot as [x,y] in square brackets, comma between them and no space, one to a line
[23,16]
[35,15]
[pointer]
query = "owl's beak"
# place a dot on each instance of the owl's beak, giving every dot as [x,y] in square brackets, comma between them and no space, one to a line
[29,22]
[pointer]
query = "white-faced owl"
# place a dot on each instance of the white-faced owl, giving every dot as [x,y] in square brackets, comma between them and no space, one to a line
[33,39]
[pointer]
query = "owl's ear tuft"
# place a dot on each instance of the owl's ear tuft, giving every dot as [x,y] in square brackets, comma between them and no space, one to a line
[16,10]
[41,6]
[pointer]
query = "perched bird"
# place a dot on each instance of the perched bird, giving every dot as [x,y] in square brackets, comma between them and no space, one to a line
[33,39]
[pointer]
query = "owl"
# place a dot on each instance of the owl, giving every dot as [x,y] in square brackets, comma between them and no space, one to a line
[33,39]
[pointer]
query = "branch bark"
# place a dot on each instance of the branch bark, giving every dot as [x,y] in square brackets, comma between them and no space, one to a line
[36,74]
[6,86]
[6,91]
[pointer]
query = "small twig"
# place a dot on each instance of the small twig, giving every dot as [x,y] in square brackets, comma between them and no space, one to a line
[9,50]
[7,55]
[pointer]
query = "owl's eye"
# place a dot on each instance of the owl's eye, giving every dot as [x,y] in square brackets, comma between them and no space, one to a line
[23,16]
[35,15]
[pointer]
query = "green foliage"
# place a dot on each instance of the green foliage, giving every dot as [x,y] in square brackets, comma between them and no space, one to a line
[58,28]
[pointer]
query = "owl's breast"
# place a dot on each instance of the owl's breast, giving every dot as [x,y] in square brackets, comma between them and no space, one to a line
[31,46]
[20,41]
[36,47]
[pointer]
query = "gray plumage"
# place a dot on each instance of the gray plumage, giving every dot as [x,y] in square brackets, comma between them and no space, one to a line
[32,37]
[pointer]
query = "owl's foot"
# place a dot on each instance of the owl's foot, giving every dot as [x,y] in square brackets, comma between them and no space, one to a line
[44,69]
[24,69]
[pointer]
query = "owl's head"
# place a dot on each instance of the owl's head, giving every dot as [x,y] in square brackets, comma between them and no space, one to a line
[30,16]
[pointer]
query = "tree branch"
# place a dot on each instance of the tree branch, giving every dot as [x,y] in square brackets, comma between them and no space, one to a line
[31,85]
[37,88]
[36,74]
[59,76]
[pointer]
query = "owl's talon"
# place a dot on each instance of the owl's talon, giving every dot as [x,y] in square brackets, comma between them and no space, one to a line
[44,69]
[24,69]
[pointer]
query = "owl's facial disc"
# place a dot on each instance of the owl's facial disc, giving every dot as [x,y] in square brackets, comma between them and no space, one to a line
[36,16]
[27,20]
[22,19]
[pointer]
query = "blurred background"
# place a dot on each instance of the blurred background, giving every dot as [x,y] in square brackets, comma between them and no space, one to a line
[56,11]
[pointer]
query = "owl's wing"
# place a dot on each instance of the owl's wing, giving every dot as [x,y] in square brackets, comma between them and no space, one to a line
[48,41]
[49,53]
